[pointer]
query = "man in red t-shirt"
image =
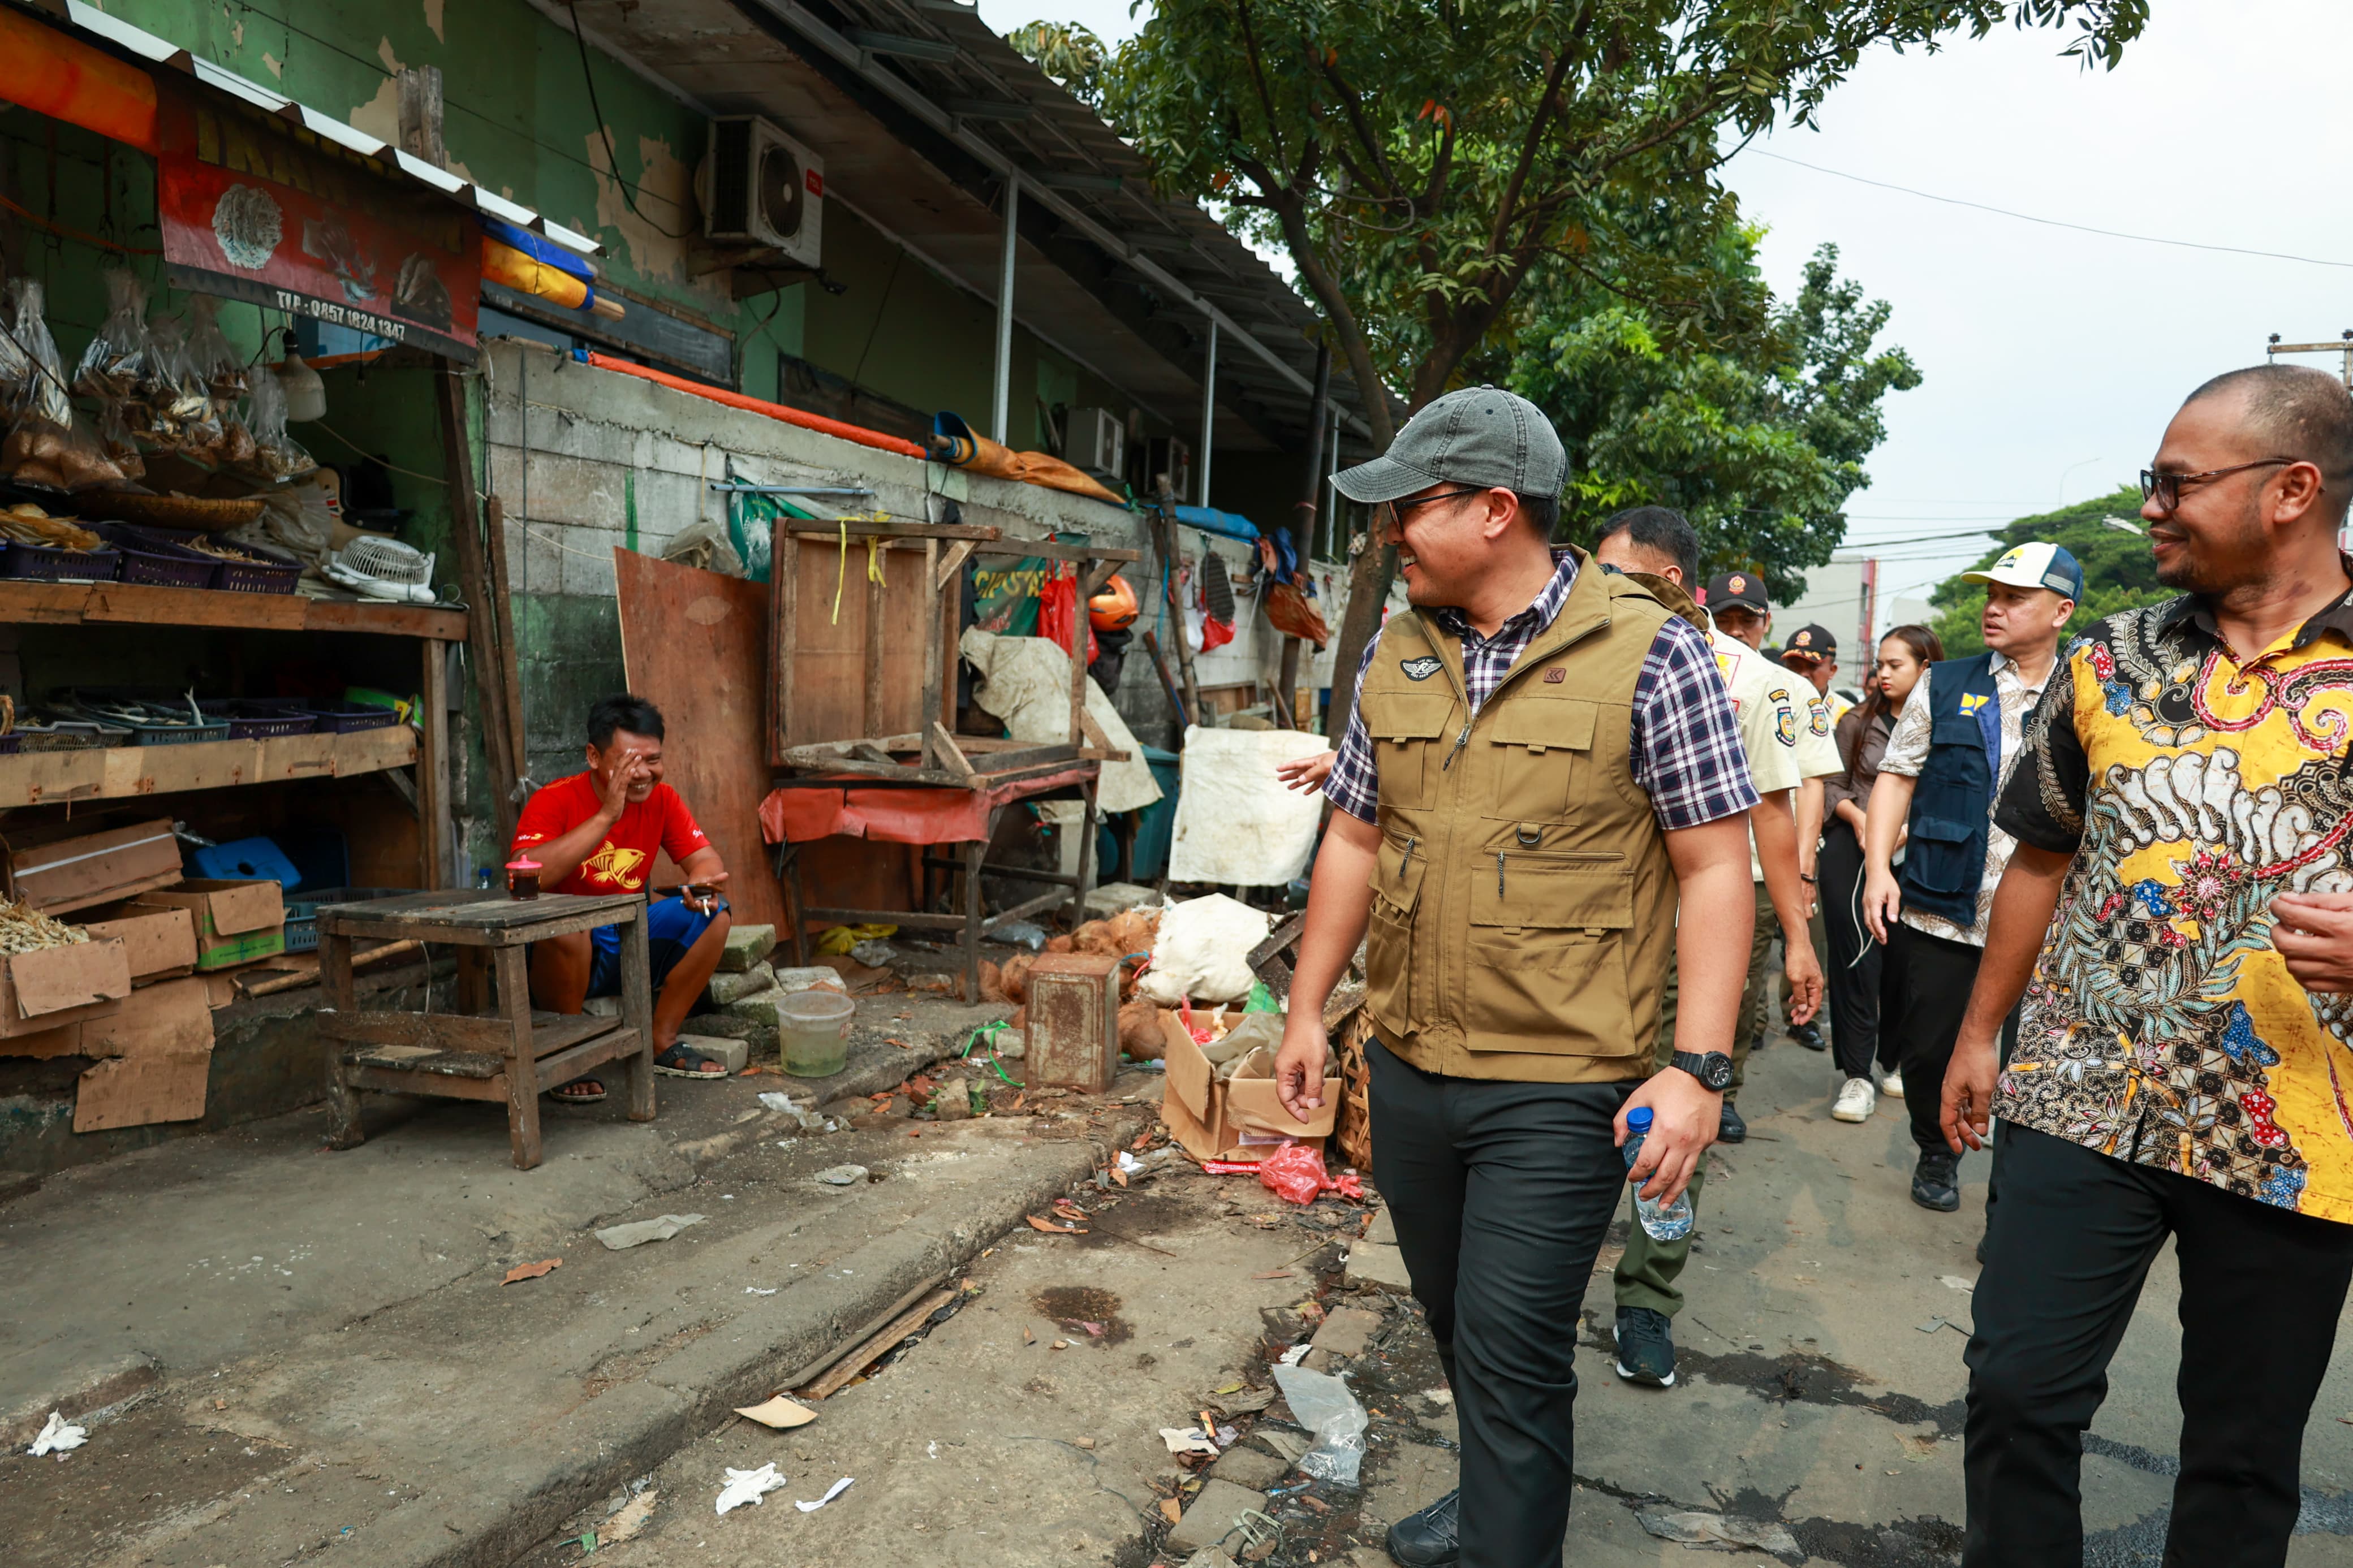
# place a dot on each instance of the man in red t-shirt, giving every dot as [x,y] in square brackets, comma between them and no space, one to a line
[596,831]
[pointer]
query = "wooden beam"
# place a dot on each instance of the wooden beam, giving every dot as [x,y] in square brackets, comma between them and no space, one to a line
[868,528]
[433,764]
[949,755]
[474,582]
[1056,549]
[501,608]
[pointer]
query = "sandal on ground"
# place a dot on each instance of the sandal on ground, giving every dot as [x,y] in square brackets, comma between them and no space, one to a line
[579,1092]
[685,1061]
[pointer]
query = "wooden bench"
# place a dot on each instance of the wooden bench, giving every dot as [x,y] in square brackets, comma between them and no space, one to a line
[507,1052]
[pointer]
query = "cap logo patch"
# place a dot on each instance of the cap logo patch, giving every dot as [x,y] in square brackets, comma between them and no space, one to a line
[1804,639]
[1421,668]
[1738,585]
[1555,675]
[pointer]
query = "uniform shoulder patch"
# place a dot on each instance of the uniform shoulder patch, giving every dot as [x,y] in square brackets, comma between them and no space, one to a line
[1784,726]
[1820,719]
[1421,668]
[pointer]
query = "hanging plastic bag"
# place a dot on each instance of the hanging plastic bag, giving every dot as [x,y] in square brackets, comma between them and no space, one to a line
[116,360]
[277,455]
[215,364]
[1059,615]
[47,443]
[14,364]
[180,405]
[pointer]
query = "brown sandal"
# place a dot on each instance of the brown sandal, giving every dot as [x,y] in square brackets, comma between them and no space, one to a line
[579,1092]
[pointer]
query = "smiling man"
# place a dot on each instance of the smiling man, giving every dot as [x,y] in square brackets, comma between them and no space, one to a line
[1542,758]
[2180,813]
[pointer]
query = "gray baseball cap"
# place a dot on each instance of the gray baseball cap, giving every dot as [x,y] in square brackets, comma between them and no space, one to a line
[1479,435]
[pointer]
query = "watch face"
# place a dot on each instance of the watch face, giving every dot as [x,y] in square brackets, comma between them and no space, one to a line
[1719,1075]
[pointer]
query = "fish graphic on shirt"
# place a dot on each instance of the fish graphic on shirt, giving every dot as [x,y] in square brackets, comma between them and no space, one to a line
[623,867]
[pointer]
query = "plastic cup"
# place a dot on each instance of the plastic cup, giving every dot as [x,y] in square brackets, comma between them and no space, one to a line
[522,879]
[813,1030]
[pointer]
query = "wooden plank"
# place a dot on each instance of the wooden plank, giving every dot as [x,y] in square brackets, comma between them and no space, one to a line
[434,817]
[783,634]
[951,756]
[604,1047]
[1057,549]
[117,772]
[949,568]
[502,612]
[871,719]
[889,528]
[831,667]
[474,582]
[388,1080]
[344,1128]
[418,1031]
[385,620]
[691,645]
[43,604]
[638,1013]
[523,1079]
[145,606]
[43,778]
[868,1353]
[928,710]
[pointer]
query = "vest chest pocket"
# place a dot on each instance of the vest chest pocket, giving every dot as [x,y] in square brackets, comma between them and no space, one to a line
[1546,968]
[1398,868]
[1938,859]
[1405,727]
[1535,749]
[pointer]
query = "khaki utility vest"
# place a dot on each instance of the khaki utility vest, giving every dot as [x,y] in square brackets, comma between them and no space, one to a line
[1523,906]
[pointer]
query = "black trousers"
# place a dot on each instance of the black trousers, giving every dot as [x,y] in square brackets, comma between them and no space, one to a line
[1924,990]
[1854,958]
[2066,1251]
[1500,1194]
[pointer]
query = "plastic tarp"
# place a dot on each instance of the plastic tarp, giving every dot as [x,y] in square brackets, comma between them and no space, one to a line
[1210,519]
[1027,683]
[954,444]
[1236,823]
[948,815]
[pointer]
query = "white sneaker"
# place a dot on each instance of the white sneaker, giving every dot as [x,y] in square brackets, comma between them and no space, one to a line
[1891,1084]
[1855,1101]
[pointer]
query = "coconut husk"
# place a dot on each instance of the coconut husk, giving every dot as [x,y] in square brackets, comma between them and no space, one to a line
[992,982]
[1021,1019]
[1057,944]
[1134,931]
[1139,1031]
[1096,937]
[1013,978]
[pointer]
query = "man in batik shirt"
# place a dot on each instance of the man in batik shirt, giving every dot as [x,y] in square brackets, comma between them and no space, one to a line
[2187,766]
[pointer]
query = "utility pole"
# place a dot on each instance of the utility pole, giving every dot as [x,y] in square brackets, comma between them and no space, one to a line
[2275,348]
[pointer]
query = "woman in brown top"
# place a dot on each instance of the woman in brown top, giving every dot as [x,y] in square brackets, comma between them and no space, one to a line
[1854,980]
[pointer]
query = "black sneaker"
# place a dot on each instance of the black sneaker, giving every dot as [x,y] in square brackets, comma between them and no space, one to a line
[1433,1537]
[1729,1128]
[1646,1347]
[1811,1037]
[1937,1183]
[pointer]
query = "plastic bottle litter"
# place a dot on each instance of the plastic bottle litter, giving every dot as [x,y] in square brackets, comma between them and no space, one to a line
[1664,1222]
[1322,1403]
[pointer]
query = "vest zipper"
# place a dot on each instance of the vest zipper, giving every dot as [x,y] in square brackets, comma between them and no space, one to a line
[1407,858]
[1459,740]
[1498,875]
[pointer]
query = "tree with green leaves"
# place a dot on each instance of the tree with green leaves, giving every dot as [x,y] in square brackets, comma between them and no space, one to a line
[1420,160]
[2119,572]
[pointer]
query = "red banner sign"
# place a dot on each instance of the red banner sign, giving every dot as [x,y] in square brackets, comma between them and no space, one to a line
[256,208]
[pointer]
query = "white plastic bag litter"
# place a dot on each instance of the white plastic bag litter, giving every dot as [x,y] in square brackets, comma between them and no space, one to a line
[749,1485]
[1203,951]
[637,1233]
[1322,1403]
[831,1492]
[58,1435]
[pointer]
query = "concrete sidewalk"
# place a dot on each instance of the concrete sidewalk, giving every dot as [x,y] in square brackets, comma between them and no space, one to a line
[319,1348]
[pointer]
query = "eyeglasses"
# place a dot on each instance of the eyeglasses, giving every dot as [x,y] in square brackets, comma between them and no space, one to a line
[2165,489]
[1398,509]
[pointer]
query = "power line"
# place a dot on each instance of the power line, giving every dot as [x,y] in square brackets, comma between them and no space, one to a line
[2050,222]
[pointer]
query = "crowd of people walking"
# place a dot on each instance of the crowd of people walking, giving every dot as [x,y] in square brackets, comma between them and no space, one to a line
[2090,886]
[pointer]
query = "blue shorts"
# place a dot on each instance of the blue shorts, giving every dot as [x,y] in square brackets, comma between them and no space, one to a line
[671,927]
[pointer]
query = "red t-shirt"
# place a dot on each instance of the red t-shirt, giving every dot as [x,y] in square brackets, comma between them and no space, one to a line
[622,863]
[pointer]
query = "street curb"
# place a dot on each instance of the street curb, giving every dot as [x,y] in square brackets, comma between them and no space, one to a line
[629,1430]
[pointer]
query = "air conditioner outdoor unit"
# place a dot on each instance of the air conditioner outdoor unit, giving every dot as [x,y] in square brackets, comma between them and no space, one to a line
[758,186]
[1097,442]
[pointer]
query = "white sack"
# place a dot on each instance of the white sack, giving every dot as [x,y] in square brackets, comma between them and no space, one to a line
[1236,823]
[1026,681]
[1203,951]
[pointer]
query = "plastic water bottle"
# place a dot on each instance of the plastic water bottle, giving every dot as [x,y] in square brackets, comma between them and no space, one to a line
[1665,1222]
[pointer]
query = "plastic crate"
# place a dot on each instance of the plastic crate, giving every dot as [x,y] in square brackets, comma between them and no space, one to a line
[275,572]
[303,913]
[74,702]
[153,559]
[259,718]
[56,734]
[41,564]
[337,717]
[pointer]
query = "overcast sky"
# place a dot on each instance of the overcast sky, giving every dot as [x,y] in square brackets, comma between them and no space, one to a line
[2052,358]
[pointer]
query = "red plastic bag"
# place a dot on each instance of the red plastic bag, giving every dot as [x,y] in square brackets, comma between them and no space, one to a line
[1060,614]
[1295,1174]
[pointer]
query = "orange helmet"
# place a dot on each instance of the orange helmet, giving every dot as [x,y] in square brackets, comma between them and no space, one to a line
[1113,609]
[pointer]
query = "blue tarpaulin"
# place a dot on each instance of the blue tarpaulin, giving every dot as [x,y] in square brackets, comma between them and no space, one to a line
[1210,519]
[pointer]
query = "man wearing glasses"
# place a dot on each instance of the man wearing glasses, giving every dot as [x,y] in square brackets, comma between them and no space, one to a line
[2181,813]
[1542,758]
[1946,760]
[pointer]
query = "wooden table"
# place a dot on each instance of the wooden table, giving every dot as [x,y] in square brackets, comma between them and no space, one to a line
[510,1053]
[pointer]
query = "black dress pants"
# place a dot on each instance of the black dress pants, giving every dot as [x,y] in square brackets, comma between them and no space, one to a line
[1924,984]
[1854,958]
[2066,1251]
[1500,1194]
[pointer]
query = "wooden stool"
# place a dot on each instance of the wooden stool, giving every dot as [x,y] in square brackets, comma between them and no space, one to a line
[511,1054]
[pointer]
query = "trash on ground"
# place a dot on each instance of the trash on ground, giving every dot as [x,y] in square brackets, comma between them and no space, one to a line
[1291,1446]
[1188,1440]
[1019,933]
[831,1492]
[810,1121]
[58,1435]
[1129,1162]
[1439,1395]
[1295,1174]
[632,1519]
[1202,950]
[1323,1404]
[757,1290]
[749,1485]
[875,954]
[780,1413]
[1294,1355]
[637,1233]
[1931,1326]
[1698,1529]
[532,1270]
[1050,1228]
[1244,1401]
[842,1175]
[1955,1282]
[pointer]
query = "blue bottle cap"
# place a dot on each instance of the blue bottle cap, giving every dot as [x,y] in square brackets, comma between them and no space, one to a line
[1639,1119]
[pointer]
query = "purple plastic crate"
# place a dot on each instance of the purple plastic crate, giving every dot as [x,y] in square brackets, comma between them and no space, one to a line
[259,718]
[337,718]
[275,572]
[155,560]
[41,564]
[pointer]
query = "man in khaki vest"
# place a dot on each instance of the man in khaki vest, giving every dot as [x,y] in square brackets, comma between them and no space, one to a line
[1542,760]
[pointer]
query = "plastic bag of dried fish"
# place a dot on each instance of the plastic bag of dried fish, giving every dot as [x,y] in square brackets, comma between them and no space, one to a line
[180,417]
[47,443]
[24,929]
[280,455]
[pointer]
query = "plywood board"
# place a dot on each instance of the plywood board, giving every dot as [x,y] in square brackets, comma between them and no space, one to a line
[694,644]
[831,667]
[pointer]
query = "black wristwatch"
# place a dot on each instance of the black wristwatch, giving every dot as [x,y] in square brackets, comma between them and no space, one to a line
[1714,1069]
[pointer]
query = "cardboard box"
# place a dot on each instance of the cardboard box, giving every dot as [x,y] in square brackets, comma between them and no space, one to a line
[162,942]
[65,1040]
[160,1049]
[1215,1120]
[235,922]
[57,870]
[54,985]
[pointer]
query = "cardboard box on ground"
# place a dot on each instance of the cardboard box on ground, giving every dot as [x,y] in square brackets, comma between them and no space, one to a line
[1240,1119]
[235,922]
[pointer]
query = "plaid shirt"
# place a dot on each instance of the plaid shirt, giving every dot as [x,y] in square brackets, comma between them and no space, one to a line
[1687,754]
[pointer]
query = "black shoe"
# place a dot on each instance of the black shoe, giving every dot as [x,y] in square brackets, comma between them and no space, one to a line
[1811,1037]
[1729,1128]
[1646,1347]
[1433,1537]
[1937,1183]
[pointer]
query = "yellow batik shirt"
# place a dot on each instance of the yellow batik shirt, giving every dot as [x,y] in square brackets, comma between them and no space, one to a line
[2193,787]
